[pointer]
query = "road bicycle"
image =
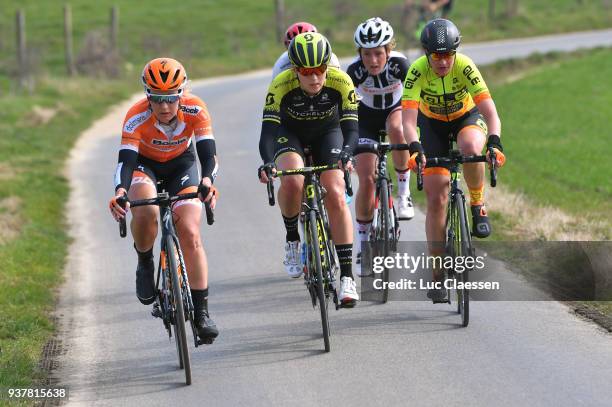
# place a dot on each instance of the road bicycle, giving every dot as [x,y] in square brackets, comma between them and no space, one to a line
[319,255]
[173,303]
[458,236]
[385,230]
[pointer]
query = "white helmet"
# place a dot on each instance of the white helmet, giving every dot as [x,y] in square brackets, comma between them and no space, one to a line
[374,32]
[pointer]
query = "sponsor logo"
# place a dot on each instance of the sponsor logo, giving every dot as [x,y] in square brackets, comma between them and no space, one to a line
[335,151]
[136,121]
[282,140]
[191,109]
[468,71]
[184,179]
[157,142]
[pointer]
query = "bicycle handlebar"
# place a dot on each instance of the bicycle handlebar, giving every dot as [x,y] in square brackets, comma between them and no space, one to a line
[379,148]
[306,171]
[462,159]
[164,198]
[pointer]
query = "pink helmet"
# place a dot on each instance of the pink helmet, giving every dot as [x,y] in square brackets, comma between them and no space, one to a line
[298,28]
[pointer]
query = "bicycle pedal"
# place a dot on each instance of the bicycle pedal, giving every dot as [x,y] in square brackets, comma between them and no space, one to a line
[205,341]
[447,301]
[156,312]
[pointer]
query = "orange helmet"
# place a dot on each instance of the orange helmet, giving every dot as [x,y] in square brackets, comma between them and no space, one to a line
[164,76]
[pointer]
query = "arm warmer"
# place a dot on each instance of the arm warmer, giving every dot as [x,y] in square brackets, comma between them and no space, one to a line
[125,168]
[269,130]
[350,132]
[207,155]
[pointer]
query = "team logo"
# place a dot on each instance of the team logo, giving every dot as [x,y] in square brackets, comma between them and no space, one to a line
[282,140]
[270,99]
[352,97]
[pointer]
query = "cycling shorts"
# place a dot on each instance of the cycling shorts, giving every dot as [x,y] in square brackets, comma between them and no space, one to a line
[435,135]
[325,146]
[373,123]
[178,175]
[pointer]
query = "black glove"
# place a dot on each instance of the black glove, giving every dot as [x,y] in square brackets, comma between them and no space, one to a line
[267,168]
[345,156]
[494,141]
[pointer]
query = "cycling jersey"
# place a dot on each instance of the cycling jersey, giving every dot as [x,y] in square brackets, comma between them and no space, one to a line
[289,105]
[144,136]
[446,98]
[383,90]
[283,63]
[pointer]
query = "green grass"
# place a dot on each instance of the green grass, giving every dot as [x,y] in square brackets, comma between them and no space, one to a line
[556,134]
[213,37]
[32,263]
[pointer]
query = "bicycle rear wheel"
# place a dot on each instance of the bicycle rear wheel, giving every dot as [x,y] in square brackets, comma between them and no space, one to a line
[180,332]
[317,251]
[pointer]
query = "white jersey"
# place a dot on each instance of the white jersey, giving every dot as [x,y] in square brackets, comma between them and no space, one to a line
[283,63]
[384,90]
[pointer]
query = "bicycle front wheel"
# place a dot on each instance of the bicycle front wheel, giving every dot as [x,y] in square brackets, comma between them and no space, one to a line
[317,252]
[463,249]
[383,241]
[180,332]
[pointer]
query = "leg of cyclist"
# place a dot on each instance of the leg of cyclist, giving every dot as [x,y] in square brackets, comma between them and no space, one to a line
[340,219]
[434,136]
[471,140]
[400,161]
[436,186]
[144,226]
[364,203]
[187,217]
[341,226]
[289,201]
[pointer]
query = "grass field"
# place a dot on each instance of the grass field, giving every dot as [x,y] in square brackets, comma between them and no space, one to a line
[214,38]
[211,38]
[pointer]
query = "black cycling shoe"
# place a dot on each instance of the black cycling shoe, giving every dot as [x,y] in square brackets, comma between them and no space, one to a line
[480,221]
[437,295]
[145,281]
[206,327]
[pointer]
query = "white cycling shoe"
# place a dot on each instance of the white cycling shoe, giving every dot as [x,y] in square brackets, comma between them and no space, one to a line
[292,262]
[405,209]
[348,291]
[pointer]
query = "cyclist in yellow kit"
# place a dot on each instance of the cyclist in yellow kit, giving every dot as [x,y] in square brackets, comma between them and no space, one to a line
[445,94]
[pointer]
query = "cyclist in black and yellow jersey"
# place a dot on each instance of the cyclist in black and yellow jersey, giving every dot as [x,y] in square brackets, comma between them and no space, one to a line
[312,104]
[445,95]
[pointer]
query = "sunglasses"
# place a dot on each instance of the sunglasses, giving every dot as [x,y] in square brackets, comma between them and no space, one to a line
[437,56]
[319,70]
[159,99]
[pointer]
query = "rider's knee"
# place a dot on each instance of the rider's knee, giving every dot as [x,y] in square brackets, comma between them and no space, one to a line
[436,202]
[145,215]
[292,185]
[190,237]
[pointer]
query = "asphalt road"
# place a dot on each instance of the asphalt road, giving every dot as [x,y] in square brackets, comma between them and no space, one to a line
[269,351]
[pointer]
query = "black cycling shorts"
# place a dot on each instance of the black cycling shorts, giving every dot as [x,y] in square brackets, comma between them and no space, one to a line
[435,135]
[373,123]
[176,174]
[325,145]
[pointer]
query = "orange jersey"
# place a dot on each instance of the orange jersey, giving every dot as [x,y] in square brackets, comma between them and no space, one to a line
[143,134]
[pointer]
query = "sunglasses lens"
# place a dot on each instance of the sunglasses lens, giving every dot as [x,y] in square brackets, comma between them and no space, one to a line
[162,98]
[436,56]
[319,70]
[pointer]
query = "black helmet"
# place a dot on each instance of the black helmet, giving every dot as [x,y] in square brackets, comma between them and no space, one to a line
[440,35]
